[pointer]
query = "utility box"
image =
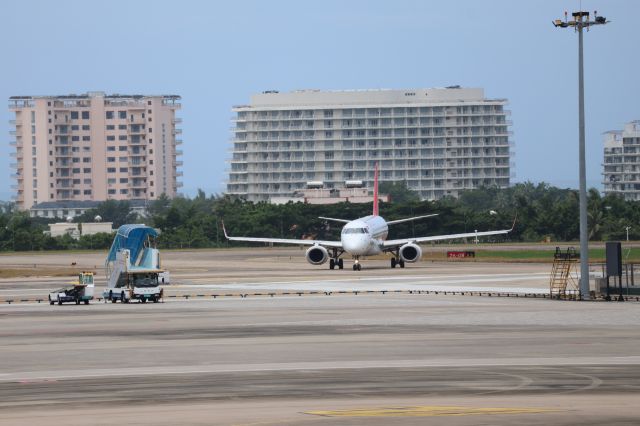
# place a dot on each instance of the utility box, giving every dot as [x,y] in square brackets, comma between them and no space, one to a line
[614,259]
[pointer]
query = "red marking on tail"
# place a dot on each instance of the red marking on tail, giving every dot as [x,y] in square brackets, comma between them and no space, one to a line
[375,191]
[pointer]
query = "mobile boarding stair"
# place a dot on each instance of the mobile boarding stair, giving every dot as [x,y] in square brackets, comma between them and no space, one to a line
[133,266]
[563,280]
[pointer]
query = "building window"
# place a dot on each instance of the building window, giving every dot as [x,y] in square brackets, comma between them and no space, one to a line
[86,170]
[86,127]
[87,181]
[86,138]
[111,127]
[111,159]
[111,148]
[122,137]
[122,114]
[122,126]
[86,159]
[111,170]
[124,170]
[111,138]
[124,191]
[124,180]
[148,102]
[87,192]
[75,138]
[85,115]
[111,191]
[122,148]
[109,115]
[74,115]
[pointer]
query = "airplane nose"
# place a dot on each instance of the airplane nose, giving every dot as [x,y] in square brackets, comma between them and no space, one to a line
[354,245]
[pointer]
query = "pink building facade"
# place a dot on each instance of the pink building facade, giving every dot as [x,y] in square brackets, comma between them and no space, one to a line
[95,147]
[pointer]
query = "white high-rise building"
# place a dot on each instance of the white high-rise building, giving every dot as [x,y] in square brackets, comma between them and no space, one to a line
[439,141]
[621,168]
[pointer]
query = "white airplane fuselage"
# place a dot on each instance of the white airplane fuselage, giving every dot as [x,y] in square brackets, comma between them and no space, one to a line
[364,236]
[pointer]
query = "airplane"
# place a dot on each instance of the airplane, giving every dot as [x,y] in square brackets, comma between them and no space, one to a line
[366,236]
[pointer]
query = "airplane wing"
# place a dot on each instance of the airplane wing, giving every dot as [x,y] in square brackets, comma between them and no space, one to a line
[393,222]
[334,219]
[396,243]
[337,244]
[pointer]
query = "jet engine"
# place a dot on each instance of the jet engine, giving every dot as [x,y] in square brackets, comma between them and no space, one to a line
[410,252]
[317,255]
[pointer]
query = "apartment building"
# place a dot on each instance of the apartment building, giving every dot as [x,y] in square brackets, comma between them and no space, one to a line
[439,141]
[94,147]
[621,167]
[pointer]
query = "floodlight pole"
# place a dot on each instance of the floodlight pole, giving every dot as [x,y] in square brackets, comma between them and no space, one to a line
[579,22]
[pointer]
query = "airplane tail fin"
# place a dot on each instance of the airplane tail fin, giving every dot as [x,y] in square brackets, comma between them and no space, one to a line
[375,191]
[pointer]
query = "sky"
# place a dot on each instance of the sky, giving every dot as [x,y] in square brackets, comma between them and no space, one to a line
[216,54]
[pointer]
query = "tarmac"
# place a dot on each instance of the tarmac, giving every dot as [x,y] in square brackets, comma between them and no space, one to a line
[324,359]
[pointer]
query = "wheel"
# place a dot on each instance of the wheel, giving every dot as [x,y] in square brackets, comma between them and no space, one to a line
[59,301]
[355,267]
[359,267]
[77,301]
[332,264]
[340,264]
[393,262]
[401,263]
[143,299]
[86,302]
[122,298]
[51,302]
[155,299]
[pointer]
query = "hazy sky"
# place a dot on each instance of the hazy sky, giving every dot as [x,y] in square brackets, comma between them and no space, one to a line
[215,54]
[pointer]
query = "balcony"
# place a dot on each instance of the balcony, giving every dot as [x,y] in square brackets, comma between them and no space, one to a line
[177,131]
[12,132]
[178,141]
[177,120]
[179,184]
[179,173]
[178,152]
[178,163]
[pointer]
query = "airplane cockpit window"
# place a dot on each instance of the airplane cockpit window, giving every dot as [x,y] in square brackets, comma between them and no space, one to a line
[355,231]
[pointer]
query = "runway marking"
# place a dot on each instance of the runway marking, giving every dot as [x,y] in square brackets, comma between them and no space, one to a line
[60,374]
[429,411]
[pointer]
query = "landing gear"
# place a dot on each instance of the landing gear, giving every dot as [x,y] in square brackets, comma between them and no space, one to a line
[335,261]
[397,260]
[356,264]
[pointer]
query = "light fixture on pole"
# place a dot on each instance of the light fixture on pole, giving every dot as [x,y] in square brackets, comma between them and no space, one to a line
[580,21]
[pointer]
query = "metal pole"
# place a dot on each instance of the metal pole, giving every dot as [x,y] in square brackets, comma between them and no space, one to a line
[584,237]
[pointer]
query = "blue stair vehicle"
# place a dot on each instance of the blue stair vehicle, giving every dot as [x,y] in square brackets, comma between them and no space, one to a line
[133,266]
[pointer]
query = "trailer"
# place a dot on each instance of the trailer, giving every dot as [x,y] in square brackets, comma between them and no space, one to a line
[79,291]
[133,266]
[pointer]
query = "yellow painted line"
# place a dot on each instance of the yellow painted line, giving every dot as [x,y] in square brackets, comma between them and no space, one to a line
[429,411]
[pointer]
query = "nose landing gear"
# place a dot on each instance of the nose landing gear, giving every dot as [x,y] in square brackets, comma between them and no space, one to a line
[356,265]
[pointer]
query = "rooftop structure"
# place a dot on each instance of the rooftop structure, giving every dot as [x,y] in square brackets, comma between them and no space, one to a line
[440,141]
[94,147]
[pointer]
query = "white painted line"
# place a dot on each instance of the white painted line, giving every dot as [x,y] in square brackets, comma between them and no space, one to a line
[315,366]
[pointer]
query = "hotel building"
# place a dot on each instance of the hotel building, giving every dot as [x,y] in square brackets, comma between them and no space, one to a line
[439,141]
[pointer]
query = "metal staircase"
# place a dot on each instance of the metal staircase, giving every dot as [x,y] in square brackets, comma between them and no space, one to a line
[562,281]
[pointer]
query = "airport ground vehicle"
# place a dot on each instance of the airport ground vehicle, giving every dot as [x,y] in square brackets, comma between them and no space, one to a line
[133,266]
[80,291]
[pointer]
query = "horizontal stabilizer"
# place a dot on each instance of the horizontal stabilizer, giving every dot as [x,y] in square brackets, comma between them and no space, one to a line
[334,219]
[393,222]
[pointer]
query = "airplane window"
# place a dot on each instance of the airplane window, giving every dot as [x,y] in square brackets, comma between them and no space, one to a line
[355,231]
